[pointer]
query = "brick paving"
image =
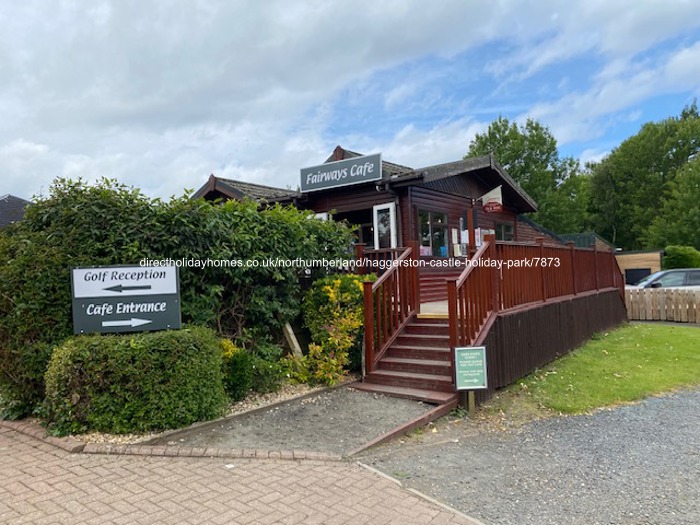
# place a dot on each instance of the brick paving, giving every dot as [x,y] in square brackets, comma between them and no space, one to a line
[42,484]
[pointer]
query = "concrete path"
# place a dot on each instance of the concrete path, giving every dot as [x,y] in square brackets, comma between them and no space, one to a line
[40,484]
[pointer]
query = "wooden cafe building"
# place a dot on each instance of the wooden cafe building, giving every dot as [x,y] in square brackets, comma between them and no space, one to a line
[416,315]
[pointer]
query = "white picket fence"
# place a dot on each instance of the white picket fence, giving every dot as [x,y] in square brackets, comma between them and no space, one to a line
[657,304]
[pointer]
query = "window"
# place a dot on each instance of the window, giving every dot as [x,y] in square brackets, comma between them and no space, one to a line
[670,279]
[505,231]
[694,278]
[433,233]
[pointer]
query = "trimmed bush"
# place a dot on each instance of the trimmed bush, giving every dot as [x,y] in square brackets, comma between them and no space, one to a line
[134,383]
[270,372]
[268,376]
[681,257]
[238,370]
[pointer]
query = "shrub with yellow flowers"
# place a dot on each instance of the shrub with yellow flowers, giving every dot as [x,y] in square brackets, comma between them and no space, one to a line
[333,313]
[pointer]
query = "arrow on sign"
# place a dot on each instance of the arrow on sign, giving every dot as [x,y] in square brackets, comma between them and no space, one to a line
[127,322]
[120,288]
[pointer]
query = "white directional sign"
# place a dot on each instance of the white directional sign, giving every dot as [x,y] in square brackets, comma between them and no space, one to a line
[125,299]
[124,280]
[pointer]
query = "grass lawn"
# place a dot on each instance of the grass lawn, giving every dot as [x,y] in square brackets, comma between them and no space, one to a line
[619,366]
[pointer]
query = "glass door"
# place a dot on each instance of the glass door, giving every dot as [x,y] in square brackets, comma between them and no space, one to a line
[385,226]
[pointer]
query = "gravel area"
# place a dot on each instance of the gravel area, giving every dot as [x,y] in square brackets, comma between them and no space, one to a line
[632,465]
[335,422]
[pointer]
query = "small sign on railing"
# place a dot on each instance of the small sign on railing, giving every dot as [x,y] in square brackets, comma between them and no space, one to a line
[470,368]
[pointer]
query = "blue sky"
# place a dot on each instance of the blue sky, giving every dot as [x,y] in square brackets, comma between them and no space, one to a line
[159,95]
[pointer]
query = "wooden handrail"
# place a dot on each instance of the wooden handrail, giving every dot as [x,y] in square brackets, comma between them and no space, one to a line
[387,275]
[465,273]
[472,298]
[389,303]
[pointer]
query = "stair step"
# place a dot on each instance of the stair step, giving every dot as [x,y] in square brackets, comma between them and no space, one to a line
[418,366]
[417,328]
[411,380]
[433,297]
[434,340]
[429,396]
[423,352]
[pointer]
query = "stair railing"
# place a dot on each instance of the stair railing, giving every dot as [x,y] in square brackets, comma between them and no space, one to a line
[389,303]
[473,296]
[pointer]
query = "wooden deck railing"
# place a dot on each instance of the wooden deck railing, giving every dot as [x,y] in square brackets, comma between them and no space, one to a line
[534,273]
[390,301]
[529,274]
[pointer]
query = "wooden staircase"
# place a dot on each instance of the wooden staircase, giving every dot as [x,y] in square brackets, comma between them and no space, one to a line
[416,365]
[433,286]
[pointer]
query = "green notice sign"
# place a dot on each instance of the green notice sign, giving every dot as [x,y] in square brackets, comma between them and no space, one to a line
[470,368]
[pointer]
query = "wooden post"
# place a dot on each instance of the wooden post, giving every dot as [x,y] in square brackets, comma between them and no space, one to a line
[472,236]
[595,265]
[472,404]
[540,243]
[414,273]
[495,278]
[452,314]
[359,255]
[369,326]
[572,258]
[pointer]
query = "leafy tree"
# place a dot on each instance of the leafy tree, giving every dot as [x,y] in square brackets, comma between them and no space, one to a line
[530,155]
[629,186]
[679,219]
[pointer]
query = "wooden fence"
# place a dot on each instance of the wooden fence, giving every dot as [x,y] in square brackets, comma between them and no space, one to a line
[658,304]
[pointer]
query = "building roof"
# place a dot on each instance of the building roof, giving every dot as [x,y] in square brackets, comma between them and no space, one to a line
[389,169]
[585,240]
[11,209]
[485,168]
[236,189]
[492,173]
[545,231]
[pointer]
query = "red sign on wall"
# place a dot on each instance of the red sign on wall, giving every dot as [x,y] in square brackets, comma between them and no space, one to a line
[493,207]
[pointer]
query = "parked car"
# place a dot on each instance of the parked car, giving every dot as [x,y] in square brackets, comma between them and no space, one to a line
[681,277]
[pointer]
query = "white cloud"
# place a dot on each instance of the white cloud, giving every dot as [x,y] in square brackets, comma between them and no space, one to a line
[592,155]
[576,116]
[160,95]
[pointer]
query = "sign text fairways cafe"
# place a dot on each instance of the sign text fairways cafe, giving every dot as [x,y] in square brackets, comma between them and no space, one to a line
[446,208]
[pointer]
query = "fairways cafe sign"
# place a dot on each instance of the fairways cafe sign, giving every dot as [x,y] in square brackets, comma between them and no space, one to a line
[367,168]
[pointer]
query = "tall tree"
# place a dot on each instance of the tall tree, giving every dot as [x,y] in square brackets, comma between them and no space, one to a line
[629,185]
[679,219]
[530,155]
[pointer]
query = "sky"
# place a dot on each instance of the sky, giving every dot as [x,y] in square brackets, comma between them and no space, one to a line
[159,95]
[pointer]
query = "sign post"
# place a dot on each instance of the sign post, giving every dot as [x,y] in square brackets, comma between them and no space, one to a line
[470,372]
[125,299]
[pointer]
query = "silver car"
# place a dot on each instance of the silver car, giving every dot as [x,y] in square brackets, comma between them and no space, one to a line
[685,277]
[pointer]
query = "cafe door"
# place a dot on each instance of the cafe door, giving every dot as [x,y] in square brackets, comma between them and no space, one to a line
[385,231]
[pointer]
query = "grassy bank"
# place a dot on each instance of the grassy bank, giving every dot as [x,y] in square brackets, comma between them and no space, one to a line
[620,366]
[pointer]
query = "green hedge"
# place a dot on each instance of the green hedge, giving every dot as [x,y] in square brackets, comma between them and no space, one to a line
[106,223]
[681,257]
[134,383]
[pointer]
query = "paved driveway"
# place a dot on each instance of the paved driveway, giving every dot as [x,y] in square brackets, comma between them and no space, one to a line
[40,484]
[632,465]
